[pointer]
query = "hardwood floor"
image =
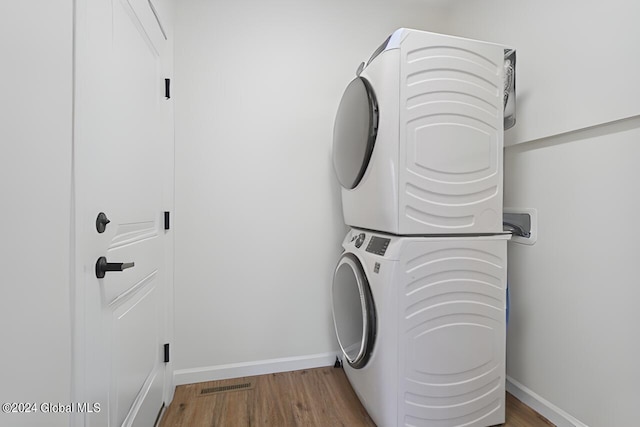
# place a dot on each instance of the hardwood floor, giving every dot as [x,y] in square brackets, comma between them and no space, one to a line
[310,397]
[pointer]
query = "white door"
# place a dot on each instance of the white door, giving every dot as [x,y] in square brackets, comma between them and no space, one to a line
[121,168]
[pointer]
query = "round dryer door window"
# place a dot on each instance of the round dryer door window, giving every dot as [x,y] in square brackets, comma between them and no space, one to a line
[353,311]
[354,132]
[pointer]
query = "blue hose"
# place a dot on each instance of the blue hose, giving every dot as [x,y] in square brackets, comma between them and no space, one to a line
[507,303]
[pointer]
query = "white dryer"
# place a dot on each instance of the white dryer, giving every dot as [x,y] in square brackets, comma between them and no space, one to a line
[418,136]
[421,324]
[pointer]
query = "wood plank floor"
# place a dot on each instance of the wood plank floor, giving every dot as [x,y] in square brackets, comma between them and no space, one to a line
[310,397]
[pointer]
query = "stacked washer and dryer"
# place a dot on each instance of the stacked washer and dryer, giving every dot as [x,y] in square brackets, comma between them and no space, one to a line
[419,293]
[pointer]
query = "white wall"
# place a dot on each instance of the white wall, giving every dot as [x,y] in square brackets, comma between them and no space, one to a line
[258,214]
[572,345]
[573,332]
[575,63]
[35,193]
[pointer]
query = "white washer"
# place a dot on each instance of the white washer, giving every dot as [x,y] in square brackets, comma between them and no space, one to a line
[421,323]
[418,136]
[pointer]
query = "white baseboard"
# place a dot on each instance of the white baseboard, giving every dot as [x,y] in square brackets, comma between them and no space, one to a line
[258,367]
[545,408]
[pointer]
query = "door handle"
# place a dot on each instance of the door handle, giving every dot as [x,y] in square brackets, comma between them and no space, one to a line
[101,222]
[102,266]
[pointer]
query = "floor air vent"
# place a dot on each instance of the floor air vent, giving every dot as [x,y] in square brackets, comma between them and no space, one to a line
[225,388]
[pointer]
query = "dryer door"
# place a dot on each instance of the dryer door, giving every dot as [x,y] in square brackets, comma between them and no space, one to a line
[354,132]
[354,314]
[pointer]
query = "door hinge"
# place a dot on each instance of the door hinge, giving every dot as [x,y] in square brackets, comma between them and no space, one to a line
[167,88]
[166,353]
[167,222]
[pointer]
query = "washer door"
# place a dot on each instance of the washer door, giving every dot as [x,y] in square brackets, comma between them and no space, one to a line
[354,314]
[354,132]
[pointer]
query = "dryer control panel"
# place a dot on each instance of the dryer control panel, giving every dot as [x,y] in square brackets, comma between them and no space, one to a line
[378,245]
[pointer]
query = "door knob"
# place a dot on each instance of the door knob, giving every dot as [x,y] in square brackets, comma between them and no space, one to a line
[101,222]
[102,266]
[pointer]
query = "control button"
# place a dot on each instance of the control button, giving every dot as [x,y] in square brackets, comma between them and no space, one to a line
[360,240]
[378,245]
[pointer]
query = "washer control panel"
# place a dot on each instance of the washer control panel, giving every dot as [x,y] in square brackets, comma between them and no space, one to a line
[378,245]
